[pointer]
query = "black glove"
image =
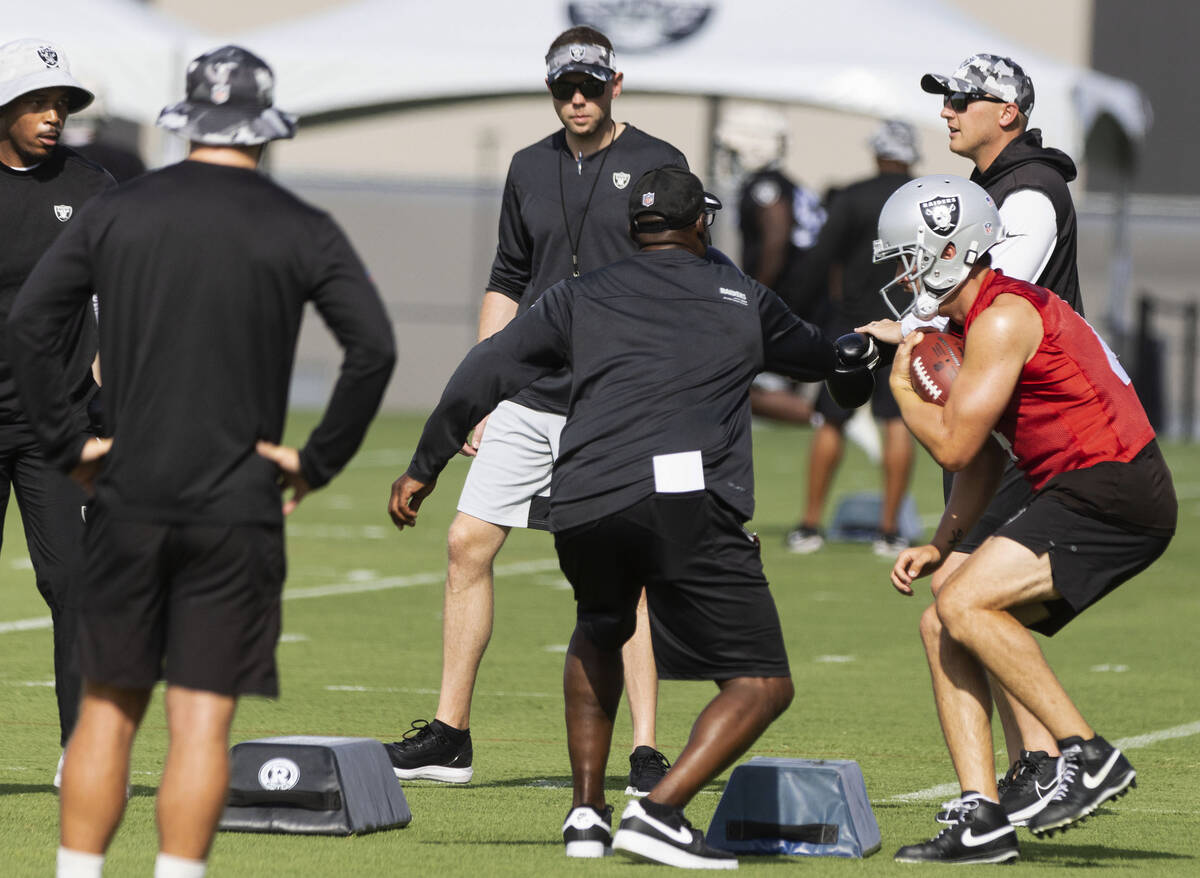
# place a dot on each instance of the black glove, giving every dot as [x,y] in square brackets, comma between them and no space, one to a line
[853,378]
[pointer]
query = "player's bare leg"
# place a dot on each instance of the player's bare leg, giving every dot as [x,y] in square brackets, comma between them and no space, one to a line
[897,469]
[196,775]
[1022,731]
[964,705]
[96,769]
[592,693]
[823,462]
[467,613]
[977,608]
[725,729]
[641,678]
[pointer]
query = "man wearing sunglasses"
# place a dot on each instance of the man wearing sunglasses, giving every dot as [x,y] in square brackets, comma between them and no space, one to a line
[986,103]
[563,213]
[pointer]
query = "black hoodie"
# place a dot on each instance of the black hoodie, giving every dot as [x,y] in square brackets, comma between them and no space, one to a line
[1026,164]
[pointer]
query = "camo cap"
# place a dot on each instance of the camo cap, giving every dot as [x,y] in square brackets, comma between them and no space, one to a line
[589,58]
[991,74]
[32,64]
[230,93]
[896,141]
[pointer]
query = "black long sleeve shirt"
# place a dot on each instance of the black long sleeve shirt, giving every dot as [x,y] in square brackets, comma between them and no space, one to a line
[554,205]
[202,272]
[662,348]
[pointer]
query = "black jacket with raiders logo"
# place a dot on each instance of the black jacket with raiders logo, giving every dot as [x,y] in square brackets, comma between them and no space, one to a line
[551,200]
[35,207]
[1026,164]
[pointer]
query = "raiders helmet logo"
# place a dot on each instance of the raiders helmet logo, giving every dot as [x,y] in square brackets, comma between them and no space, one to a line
[620,179]
[941,214]
[49,56]
[642,27]
[647,199]
[63,212]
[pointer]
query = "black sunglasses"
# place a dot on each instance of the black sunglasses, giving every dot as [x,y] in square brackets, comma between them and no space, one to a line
[958,100]
[564,89]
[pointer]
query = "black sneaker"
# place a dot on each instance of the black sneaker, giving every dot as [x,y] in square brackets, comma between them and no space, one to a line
[428,752]
[646,768]
[981,833]
[587,832]
[670,840]
[1092,773]
[1029,785]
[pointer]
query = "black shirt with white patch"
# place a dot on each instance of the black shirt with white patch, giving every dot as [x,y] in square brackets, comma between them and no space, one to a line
[36,206]
[553,201]
[203,272]
[662,348]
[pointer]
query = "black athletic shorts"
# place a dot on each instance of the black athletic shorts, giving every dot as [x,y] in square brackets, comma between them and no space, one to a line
[198,605]
[1101,526]
[712,616]
[883,403]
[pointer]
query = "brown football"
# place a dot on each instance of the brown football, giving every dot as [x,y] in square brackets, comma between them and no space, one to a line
[935,363]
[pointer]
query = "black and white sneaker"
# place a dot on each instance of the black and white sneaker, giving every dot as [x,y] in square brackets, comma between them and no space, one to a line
[804,540]
[432,751]
[587,832]
[667,838]
[1092,773]
[1029,785]
[646,768]
[980,833]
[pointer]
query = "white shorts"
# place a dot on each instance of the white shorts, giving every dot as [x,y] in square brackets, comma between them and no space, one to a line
[509,480]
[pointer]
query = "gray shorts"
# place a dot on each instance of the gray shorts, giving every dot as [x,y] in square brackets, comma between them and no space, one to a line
[509,480]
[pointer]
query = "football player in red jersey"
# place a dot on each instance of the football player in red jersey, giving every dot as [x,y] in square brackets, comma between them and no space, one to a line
[1038,376]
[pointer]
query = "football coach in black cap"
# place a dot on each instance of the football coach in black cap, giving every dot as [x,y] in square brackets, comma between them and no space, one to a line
[652,487]
[203,270]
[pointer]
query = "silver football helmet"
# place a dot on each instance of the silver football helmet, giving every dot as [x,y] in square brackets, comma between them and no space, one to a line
[916,224]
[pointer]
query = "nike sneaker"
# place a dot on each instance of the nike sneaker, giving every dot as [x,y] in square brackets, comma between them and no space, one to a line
[587,832]
[980,833]
[1029,785]
[667,838]
[1092,773]
[432,751]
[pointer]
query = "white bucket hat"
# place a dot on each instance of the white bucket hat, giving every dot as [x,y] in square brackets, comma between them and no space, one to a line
[31,64]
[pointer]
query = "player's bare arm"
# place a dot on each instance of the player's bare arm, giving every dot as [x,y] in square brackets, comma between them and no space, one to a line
[407,495]
[496,312]
[1001,340]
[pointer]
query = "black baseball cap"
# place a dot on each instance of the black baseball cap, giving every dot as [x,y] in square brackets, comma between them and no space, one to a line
[672,193]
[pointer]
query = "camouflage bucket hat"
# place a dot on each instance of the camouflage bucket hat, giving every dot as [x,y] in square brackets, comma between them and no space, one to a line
[230,93]
[595,61]
[999,77]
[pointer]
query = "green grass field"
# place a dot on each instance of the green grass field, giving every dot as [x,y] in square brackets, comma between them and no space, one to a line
[361,656]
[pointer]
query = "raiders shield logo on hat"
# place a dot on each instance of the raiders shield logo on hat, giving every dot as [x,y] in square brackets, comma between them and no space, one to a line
[48,55]
[941,214]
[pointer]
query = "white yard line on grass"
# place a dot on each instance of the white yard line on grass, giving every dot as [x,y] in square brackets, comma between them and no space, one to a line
[1130,743]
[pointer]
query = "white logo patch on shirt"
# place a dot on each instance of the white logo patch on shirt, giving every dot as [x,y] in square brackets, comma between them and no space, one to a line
[63,212]
[734,296]
[621,179]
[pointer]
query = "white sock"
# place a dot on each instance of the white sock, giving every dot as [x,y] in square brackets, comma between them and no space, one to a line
[78,864]
[167,866]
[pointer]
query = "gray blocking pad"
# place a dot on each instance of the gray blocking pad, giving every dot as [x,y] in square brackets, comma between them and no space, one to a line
[312,785]
[856,518]
[806,807]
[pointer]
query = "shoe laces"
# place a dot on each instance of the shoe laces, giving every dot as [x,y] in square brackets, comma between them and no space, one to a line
[1071,759]
[417,733]
[1022,773]
[652,763]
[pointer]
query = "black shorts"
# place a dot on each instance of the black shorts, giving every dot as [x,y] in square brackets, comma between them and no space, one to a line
[712,616]
[198,605]
[883,403]
[1012,495]
[1100,526]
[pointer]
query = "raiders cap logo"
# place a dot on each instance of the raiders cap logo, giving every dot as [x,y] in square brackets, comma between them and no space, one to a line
[48,55]
[941,214]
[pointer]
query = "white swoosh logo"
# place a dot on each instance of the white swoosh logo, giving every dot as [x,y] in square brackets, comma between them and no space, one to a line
[680,835]
[1043,791]
[972,840]
[1091,781]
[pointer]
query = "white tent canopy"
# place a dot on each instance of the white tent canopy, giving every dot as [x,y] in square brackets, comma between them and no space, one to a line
[858,56]
[132,56]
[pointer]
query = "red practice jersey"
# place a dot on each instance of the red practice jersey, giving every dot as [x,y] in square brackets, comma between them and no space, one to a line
[1074,405]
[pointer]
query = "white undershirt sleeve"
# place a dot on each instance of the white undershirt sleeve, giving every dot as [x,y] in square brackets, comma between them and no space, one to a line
[1030,233]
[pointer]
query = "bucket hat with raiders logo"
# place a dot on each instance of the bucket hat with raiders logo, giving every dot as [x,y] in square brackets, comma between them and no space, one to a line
[30,64]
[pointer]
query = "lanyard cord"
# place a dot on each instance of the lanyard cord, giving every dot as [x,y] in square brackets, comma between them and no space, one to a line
[562,201]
